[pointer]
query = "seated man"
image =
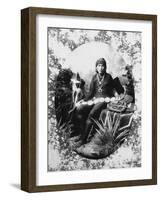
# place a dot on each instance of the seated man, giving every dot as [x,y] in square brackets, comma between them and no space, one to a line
[115,121]
[102,85]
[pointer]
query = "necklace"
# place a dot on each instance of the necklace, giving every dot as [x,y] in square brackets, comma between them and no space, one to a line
[100,82]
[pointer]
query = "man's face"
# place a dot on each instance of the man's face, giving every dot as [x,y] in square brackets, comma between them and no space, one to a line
[100,69]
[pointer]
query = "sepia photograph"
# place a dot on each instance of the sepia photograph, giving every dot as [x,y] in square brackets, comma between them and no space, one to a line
[94,99]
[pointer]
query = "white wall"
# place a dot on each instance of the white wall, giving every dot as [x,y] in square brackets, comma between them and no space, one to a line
[10,97]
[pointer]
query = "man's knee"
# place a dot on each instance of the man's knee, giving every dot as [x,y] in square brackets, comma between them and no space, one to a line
[96,111]
[94,114]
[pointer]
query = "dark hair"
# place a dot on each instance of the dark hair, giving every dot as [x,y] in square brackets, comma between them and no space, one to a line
[101,61]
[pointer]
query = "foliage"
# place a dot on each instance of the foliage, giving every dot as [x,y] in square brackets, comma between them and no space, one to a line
[128,45]
[128,155]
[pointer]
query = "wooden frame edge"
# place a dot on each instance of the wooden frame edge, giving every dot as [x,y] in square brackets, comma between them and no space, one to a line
[24,99]
[154,99]
[28,100]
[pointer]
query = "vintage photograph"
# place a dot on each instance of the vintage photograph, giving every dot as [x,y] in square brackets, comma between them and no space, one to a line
[88,99]
[94,99]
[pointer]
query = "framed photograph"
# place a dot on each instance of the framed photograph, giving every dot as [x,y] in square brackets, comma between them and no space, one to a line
[88,99]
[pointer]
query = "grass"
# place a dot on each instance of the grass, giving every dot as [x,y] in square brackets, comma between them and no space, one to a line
[62,158]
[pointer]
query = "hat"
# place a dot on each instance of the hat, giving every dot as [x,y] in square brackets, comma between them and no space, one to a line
[101,61]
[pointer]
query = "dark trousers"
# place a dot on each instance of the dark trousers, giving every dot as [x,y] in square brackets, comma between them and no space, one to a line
[85,115]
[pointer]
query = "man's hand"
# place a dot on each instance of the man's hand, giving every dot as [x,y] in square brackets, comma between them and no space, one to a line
[79,103]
